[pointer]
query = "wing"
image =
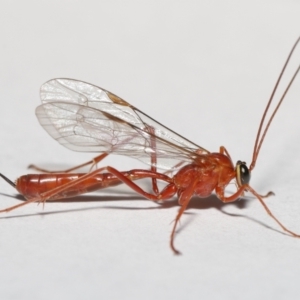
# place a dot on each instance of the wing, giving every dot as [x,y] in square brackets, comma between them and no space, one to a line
[84,117]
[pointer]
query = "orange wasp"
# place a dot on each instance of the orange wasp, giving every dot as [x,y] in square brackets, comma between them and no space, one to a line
[84,117]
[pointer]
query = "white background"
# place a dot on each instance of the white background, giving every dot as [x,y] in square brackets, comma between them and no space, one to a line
[204,69]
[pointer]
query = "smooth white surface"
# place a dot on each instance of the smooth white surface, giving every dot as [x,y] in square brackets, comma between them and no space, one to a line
[204,69]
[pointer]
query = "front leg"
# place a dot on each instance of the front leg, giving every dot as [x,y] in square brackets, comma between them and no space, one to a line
[220,191]
[239,193]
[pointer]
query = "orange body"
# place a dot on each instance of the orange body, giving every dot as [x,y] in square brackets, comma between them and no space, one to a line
[205,175]
[34,185]
[84,117]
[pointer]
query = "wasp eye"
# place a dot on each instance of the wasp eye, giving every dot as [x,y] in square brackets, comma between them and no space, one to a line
[242,173]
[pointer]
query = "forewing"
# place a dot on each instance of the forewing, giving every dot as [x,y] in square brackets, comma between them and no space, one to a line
[83,117]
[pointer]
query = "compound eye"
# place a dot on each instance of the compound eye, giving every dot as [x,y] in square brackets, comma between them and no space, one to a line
[242,173]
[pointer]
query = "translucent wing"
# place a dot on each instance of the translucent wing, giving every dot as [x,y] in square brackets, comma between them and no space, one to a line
[84,117]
